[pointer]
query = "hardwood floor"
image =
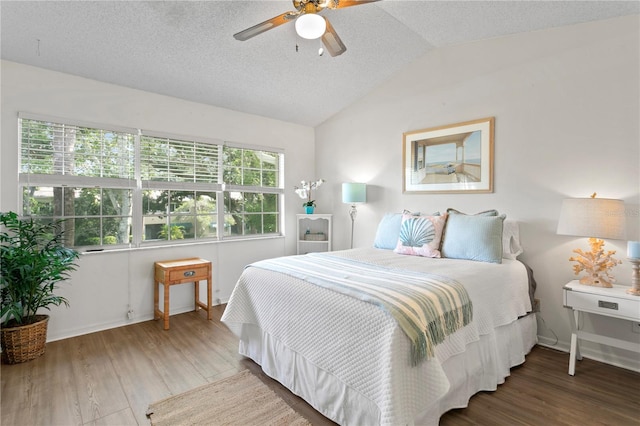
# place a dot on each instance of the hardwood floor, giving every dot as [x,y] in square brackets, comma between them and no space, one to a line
[111,377]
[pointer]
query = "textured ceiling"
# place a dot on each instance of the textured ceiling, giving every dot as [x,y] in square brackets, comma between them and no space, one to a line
[186,49]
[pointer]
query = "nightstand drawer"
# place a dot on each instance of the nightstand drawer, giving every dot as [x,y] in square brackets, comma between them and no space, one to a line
[193,273]
[182,270]
[604,305]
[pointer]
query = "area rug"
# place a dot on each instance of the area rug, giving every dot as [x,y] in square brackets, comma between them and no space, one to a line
[241,399]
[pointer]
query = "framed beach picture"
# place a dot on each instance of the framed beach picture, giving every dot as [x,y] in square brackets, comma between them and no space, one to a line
[453,158]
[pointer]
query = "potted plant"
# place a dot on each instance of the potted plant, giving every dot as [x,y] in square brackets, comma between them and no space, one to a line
[304,191]
[33,260]
[309,206]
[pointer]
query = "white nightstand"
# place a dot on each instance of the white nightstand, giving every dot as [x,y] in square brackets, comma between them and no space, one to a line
[610,302]
[314,233]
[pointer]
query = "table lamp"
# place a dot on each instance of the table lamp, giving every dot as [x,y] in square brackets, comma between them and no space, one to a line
[354,193]
[596,218]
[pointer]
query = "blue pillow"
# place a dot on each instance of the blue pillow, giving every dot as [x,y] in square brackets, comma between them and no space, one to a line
[473,238]
[388,231]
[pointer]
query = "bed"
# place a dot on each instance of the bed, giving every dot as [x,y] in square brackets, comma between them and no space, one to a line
[352,360]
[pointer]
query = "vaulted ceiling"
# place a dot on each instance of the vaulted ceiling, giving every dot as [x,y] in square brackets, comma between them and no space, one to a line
[186,49]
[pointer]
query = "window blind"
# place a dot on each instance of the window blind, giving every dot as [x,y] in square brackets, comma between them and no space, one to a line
[56,149]
[173,160]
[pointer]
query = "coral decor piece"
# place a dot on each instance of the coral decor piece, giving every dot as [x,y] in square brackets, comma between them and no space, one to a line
[304,191]
[597,264]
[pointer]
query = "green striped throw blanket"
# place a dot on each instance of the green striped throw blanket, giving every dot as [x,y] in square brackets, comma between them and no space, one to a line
[427,307]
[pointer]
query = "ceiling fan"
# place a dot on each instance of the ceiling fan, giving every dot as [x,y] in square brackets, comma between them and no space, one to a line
[309,24]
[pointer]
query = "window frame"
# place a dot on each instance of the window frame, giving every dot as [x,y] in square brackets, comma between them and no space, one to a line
[138,185]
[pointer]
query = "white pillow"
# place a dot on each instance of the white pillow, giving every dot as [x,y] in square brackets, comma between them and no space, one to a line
[511,247]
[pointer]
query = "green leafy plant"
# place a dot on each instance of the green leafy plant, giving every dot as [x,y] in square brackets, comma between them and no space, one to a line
[33,260]
[310,203]
[174,232]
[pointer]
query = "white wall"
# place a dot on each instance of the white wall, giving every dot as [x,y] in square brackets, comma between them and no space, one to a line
[566,104]
[105,284]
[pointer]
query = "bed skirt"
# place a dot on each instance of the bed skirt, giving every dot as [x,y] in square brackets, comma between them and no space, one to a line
[482,367]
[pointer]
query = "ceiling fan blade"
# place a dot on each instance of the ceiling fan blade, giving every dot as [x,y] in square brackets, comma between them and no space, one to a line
[339,4]
[332,42]
[265,26]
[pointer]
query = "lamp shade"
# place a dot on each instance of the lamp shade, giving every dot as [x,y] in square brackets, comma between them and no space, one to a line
[354,193]
[310,26]
[592,217]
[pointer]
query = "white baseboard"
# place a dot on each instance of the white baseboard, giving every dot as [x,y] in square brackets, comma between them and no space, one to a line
[616,360]
[52,337]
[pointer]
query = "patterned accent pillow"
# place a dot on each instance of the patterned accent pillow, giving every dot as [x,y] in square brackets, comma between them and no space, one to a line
[389,228]
[420,235]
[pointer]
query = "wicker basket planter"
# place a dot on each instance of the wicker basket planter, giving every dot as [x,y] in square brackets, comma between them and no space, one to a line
[21,343]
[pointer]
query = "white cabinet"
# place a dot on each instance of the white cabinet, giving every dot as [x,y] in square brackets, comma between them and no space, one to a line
[313,233]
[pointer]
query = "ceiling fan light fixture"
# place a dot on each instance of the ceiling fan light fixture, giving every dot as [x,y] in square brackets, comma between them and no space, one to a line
[310,26]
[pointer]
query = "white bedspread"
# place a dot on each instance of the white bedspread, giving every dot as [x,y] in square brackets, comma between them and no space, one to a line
[360,348]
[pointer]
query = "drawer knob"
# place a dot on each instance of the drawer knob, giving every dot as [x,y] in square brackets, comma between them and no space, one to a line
[192,273]
[607,305]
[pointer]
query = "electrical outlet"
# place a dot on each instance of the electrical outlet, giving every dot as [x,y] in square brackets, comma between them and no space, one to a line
[130,314]
[635,327]
[536,305]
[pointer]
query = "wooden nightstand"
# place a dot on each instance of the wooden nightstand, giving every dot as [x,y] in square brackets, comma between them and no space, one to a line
[610,302]
[180,271]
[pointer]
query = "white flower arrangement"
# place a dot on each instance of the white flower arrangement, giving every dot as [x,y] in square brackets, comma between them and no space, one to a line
[304,191]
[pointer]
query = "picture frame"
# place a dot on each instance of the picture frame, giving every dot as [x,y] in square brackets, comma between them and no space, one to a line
[455,158]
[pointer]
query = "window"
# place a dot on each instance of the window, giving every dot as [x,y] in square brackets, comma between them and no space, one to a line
[180,181]
[179,215]
[251,202]
[82,174]
[95,216]
[128,187]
